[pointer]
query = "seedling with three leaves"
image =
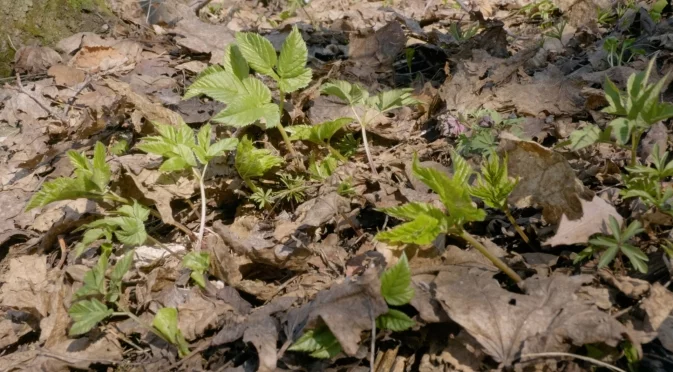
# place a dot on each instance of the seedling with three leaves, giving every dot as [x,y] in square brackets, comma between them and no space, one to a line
[355,96]
[618,243]
[647,183]
[247,98]
[426,222]
[396,289]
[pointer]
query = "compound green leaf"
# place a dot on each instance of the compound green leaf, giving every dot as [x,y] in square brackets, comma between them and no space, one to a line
[584,137]
[221,86]
[87,314]
[293,55]
[258,51]
[252,162]
[61,189]
[411,211]
[320,343]
[291,84]
[396,286]
[621,127]
[174,164]
[422,230]
[353,94]
[392,99]
[219,147]
[394,320]
[607,257]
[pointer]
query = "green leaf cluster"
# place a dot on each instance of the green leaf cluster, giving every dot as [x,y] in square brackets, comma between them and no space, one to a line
[89,311]
[396,289]
[198,263]
[248,99]
[181,149]
[127,224]
[426,222]
[355,95]
[617,243]
[485,125]
[647,183]
[90,180]
[165,324]
[252,162]
[493,184]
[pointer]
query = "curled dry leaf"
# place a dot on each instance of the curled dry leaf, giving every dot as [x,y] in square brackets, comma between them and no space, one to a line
[595,216]
[549,318]
[346,308]
[545,179]
[35,59]
[659,308]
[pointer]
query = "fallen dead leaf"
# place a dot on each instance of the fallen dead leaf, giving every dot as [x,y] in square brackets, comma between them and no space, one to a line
[35,59]
[545,179]
[595,216]
[658,306]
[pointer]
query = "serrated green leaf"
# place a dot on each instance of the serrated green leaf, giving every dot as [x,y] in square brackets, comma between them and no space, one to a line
[622,127]
[174,164]
[79,161]
[223,86]
[394,320]
[584,137]
[155,145]
[118,272]
[203,137]
[293,55]
[612,95]
[320,343]
[61,189]
[353,94]
[101,169]
[411,211]
[493,185]
[258,52]
[252,162]
[319,133]
[198,262]
[250,107]
[396,286]
[454,194]
[166,323]
[93,282]
[218,148]
[87,314]
[235,63]
[422,230]
[291,84]
[392,99]
[90,236]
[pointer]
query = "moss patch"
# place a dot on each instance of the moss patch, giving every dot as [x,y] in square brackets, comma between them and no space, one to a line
[45,22]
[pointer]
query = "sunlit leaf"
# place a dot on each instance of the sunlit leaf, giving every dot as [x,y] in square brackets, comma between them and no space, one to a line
[394,320]
[87,314]
[396,286]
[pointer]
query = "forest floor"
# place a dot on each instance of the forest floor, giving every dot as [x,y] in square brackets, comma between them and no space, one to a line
[467,186]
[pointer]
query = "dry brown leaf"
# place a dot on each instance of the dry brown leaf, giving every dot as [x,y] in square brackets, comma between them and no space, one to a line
[659,308]
[504,323]
[199,314]
[100,56]
[35,59]
[66,75]
[379,49]
[153,112]
[545,179]
[202,37]
[594,220]
[321,210]
[26,285]
[347,308]
[630,287]
[264,335]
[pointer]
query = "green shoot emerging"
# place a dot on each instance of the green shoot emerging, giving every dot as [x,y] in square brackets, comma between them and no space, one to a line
[617,243]
[182,151]
[165,325]
[396,289]
[356,96]
[248,99]
[426,222]
[494,186]
[198,262]
[252,163]
[647,183]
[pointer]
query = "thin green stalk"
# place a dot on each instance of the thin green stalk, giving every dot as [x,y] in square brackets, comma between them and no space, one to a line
[365,142]
[250,185]
[635,138]
[518,229]
[495,260]
[281,129]
[202,187]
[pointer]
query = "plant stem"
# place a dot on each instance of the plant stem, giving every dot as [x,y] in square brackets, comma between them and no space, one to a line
[336,153]
[635,138]
[202,187]
[516,225]
[364,141]
[495,260]
[283,133]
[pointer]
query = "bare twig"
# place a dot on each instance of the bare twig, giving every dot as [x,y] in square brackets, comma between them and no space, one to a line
[74,97]
[64,251]
[23,90]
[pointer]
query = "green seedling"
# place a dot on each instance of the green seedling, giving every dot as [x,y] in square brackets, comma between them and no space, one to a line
[617,243]
[606,17]
[198,263]
[181,151]
[294,188]
[321,134]
[355,95]
[396,289]
[618,51]
[646,183]
[248,99]
[540,11]
[456,30]
[127,224]
[426,222]
[637,108]
[320,170]
[494,186]
[254,163]
[89,310]
[485,126]
[656,9]
[557,29]
[346,189]
[165,325]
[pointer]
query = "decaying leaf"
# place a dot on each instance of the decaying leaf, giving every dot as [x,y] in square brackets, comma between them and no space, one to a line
[548,318]
[545,179]
[594,220]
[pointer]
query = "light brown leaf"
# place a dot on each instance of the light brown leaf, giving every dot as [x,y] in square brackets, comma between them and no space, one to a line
[594,220]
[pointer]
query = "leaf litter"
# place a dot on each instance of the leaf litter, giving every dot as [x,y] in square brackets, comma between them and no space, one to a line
[377,168]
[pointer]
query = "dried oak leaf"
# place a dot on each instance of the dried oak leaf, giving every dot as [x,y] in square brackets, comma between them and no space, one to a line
[347,308]
[153,112]
[199,314]
[595,216]
[25,285]
[35,59]
[545,179]
[549,318]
